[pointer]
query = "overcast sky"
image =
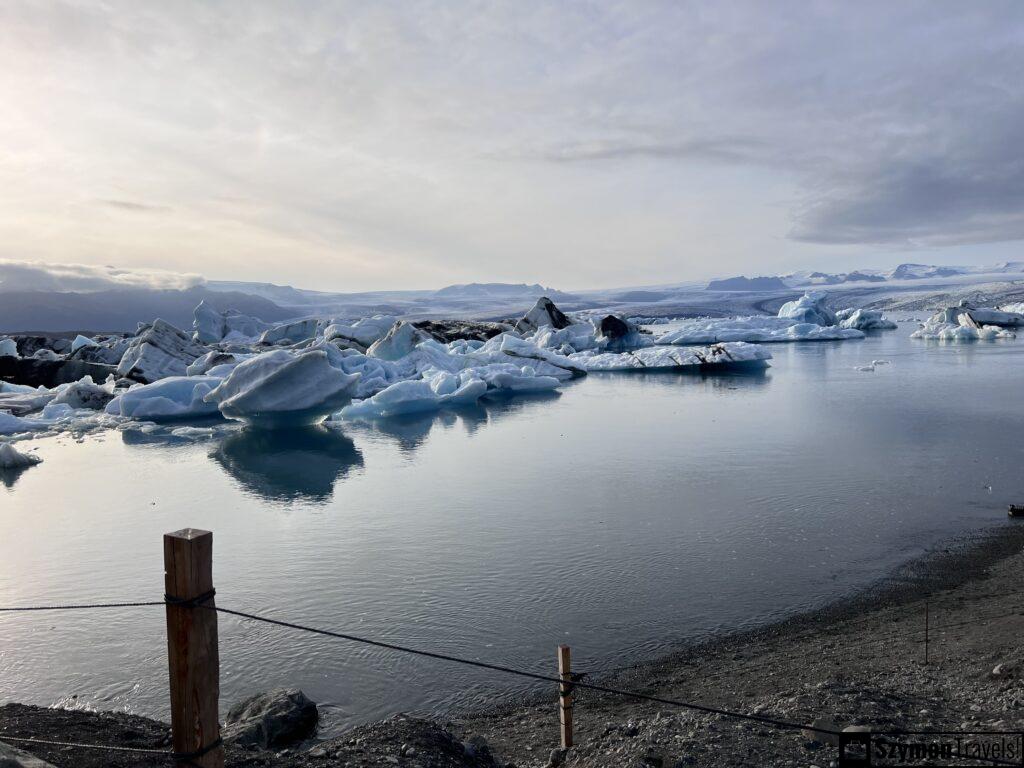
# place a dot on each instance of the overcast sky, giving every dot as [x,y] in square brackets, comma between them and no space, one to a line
[406,144]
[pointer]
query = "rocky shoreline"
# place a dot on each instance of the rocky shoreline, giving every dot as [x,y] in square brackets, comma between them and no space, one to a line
[857,663]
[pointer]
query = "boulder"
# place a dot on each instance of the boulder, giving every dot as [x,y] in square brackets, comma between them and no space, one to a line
[271,720]
[544,313]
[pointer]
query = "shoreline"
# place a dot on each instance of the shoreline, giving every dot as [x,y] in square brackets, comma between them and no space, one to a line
[856,661]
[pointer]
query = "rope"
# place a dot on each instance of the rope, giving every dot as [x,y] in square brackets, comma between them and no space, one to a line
[520,673]
[80,606]
[183,757]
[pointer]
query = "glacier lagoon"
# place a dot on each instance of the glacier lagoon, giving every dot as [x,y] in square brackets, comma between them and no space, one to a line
[624,515]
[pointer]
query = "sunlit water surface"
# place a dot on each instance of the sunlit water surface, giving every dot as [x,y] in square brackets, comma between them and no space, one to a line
[624,516]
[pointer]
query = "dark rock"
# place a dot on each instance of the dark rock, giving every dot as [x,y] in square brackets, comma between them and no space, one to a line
[613,327]
[557,757]
[450,330]
[50,373]
[273,719]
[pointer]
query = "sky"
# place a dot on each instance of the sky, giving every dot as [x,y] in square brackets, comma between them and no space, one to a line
[391,145]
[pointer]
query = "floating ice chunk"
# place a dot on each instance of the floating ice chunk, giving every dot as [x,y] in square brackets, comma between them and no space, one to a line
[83,341]
[736,354]
[508,379]
[1004,319]
[440,390]
[757,329]
[222,362]
[865,367]
[506,348]
[374,374]
[298,330]
[84,393]
[12,425]
[8,348]
[362,332]
[809,308]
[943,331]
[1016,308]
[45,354]
[544,313]
[176,397]
[399,341]
[864,320]
[12,458]
[573,338]
[282,389]
[210,326]
[881,362]
[158,350]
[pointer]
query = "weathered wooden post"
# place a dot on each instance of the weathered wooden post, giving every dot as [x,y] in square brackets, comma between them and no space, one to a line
[565,695]
[193,658]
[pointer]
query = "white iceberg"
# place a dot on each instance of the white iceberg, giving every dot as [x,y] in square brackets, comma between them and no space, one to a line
[284,389]
[399,341]
[736,354]
[83,341]
[8,348]
[544,313]
[173,398]
[809,308]
[210,326]
[13,425]
[84,393]
[416,396]
[864,320]
[12,458]
[214,363]
[363,332]
[942,331]
[292,332]
[757,329]
[158,350]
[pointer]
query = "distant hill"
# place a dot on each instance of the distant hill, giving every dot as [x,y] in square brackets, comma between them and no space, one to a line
[748,284]
[122,309]
[918,271]
[500,291]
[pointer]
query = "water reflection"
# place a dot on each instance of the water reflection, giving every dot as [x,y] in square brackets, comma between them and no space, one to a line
[288,464]
[410,431]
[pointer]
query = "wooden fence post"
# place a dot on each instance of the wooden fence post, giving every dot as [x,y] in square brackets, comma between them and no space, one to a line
[565,696]
[193,658]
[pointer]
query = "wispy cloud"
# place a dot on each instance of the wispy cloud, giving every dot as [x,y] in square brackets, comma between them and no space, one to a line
[131,205]
[86,278]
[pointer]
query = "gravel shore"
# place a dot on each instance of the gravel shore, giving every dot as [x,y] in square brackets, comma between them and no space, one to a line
[860,662]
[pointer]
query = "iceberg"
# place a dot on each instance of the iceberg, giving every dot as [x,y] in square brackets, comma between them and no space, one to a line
[416,396]
[864,320]
[210,326]
[809,308]
[84,393]
[214,363]
[12,458]
[544,313]
[158,350]
[737,354]
[961,323]
[173,398]
[8,348]
[83,341]
[361,333]
[399,342]
[292,333]
[283,389]
[13,425]
[756,329]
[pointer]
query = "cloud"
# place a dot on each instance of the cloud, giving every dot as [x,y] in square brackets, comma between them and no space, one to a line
[86,278]
[130,205]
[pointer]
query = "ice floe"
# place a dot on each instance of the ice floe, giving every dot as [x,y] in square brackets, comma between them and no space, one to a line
[964,323]
[157,351]
[283,389]
[173,398]
[12,458]
[736,354]
[8,348]
[809,308]
[756,329]
[864,320]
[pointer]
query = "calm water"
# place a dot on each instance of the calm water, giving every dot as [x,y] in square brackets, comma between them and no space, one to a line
[627,514]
